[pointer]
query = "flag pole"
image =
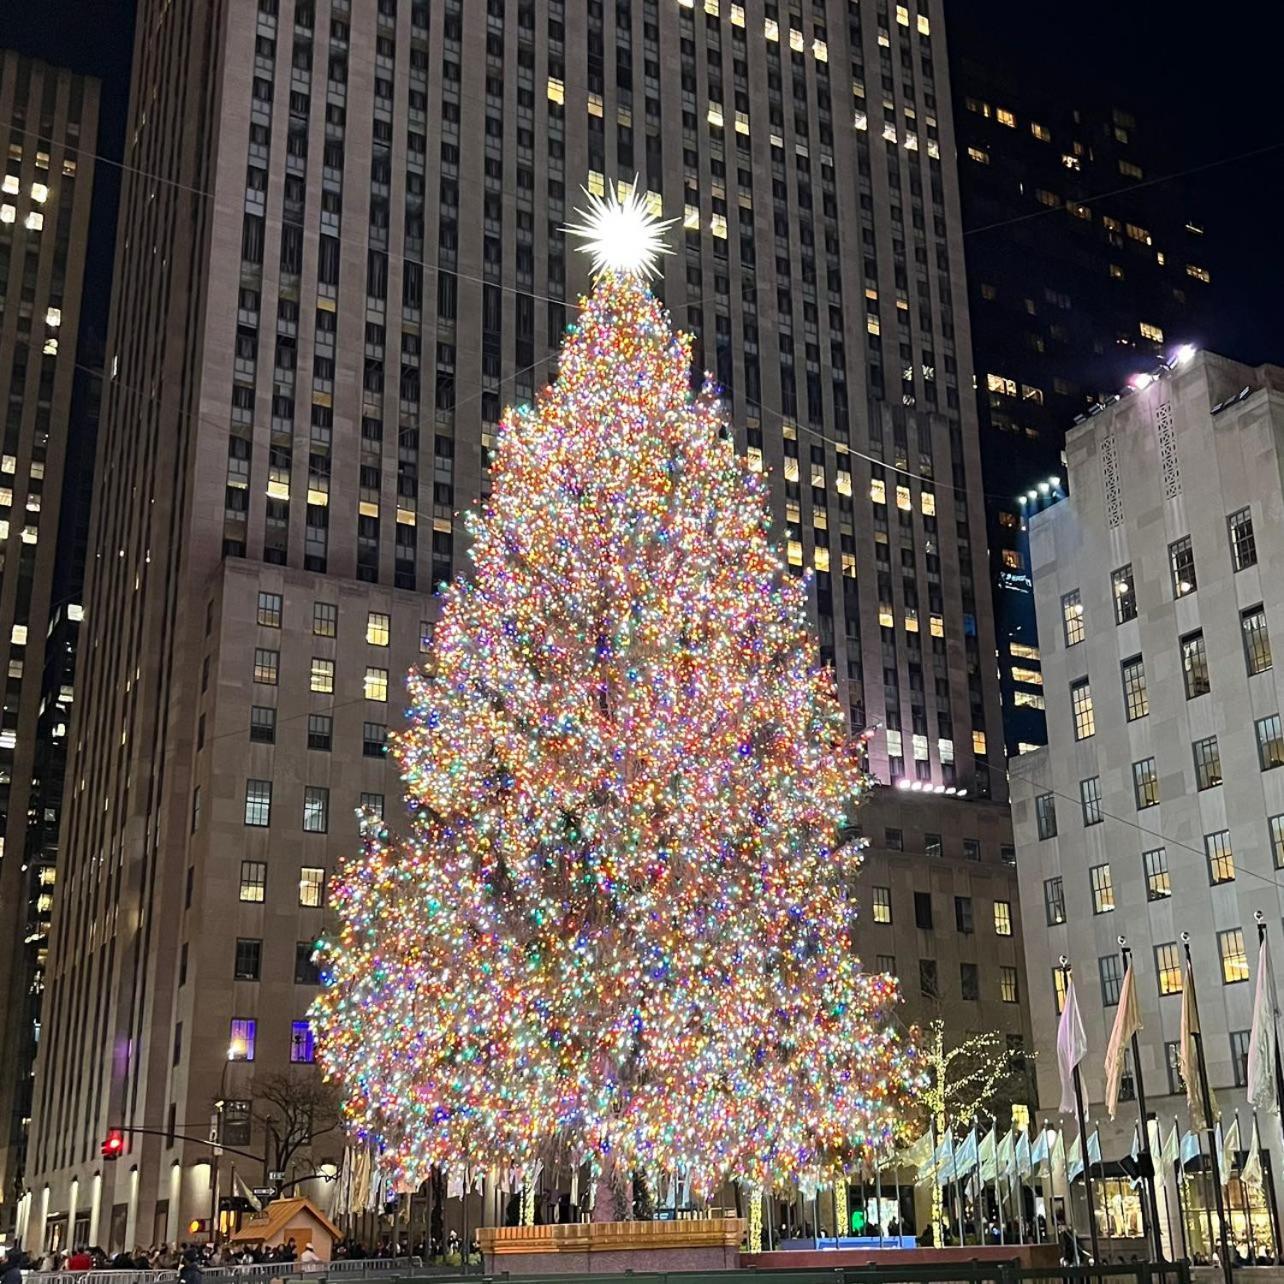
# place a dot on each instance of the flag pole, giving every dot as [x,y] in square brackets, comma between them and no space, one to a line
[998,1197]
[1247,1197]
[1279,1103]
[1081,1115]
[1152,1198]
[1179,1177]
[1209,1122]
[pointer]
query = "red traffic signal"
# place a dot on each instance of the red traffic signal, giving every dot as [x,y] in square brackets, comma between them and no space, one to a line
[114,1144]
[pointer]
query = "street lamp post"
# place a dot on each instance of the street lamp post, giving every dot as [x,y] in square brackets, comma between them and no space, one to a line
[235,1052]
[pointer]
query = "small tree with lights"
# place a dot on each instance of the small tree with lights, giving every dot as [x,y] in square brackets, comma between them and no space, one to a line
[620,922]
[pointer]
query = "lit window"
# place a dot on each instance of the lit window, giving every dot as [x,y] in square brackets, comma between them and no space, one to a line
[377,627]
[1221,859]
[1151,332]
[1181,565]
[1002,384]
[1013,560]
[978,743]
[878,490]
[12,185]
[979,155]
[797,41]
[53,317]
[267,665]
[1194,663]
[936,626]
[1041,132]
[903,500]
[1136,701]
[924,25]
[1230,948]
[269,612]
[316,809]
[771,29]
[1090,800]
[258,802]
[1243,544]
[376,685]
[1008,991]
[1031,676]
[1145,784]
[1103,889]
[39,193]
[1125,595]
[1002,918]
[253,880]
[1270,742]
[882,905]
[312,886]
[1155,865]
[1054,900]
[1257,642]
[872,323]
[34,221]
[1168,968]
[1028,700]
[241,1038]
[1072,617]
[1208,763]
[7,213]
[1085,724]
[322,679]
[1275,830]
[1058,988]
[302,1043]
[1199,273]
[1005,117]
[1023,651]
[556,90]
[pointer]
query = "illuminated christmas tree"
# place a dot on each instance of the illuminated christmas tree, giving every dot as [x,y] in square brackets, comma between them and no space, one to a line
[621,922]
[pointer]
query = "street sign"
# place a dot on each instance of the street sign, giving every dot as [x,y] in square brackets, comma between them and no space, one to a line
[264,1192]
[276,1176]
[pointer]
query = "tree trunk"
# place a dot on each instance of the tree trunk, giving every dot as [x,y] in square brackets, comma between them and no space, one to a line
[436,1228]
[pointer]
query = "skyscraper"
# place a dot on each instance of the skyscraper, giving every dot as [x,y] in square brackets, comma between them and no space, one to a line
[48,127]
[1081,273]
[341,255]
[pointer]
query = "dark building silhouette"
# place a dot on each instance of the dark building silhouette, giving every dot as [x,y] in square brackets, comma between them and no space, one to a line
[1082,273]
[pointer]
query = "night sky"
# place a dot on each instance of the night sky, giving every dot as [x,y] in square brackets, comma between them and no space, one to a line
[1207,90]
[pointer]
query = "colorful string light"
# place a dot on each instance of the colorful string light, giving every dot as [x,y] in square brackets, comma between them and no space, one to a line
[622,919]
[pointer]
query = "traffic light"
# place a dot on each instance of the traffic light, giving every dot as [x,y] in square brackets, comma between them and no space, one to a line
[114,1144]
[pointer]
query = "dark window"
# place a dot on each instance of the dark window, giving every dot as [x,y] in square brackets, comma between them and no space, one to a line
[249,958]
[927,982]
[306,972]
[263,724]
[969,981]
[923,910]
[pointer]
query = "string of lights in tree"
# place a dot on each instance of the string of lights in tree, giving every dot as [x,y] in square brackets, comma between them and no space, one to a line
[620,920]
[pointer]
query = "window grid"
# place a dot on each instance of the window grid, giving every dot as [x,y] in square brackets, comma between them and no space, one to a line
[1110,971]
[322,675]
[1085,723]
[1270,742]
[1002,918]
[1172,1059]
[1239,1040]
[1257,641]
[882,904]
[1090,800]
[1103,889]
[1155,865]
[378,627]
[253,880]
[1168,970]
[1072,617]
[242,1033]
[1208,763]
[249,958]
[258,803]
[1045,811]
[1058,988]
[325,619]
[302,1043]
[267,664]
[1008,990]
[269,612]
[1275,827]
[312,886]
[376,685]
[320,731]
[1230,949]
[1242,541]
[963,915]
[1054,900]
[1181,563]
[1124,594]
[1194,664]
[316,809]
[1145,784]
[263,724]
[1221,859]
[1136,702]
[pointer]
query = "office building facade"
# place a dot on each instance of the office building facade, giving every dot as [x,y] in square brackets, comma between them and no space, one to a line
[341,256]
[1156,808]
[48,129]
[1071,292]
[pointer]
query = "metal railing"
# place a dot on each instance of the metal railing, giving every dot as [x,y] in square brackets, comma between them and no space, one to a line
[342,1268]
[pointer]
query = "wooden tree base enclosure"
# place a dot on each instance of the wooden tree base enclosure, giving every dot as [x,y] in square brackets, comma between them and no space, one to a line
[584,1248]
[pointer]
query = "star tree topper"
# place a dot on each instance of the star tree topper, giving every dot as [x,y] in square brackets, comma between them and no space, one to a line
[622,235]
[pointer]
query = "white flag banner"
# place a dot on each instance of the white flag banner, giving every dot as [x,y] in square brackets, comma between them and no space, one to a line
[1188,1056]
[1230,1149]
[1005,1153]
[987,1156]
[1127,1023]
[965,1157]
[1039,1151]
[943,1160]
[1024,1159]
[1074,1160]
[1072,1045]
[1252,1175]
[1261,1039]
